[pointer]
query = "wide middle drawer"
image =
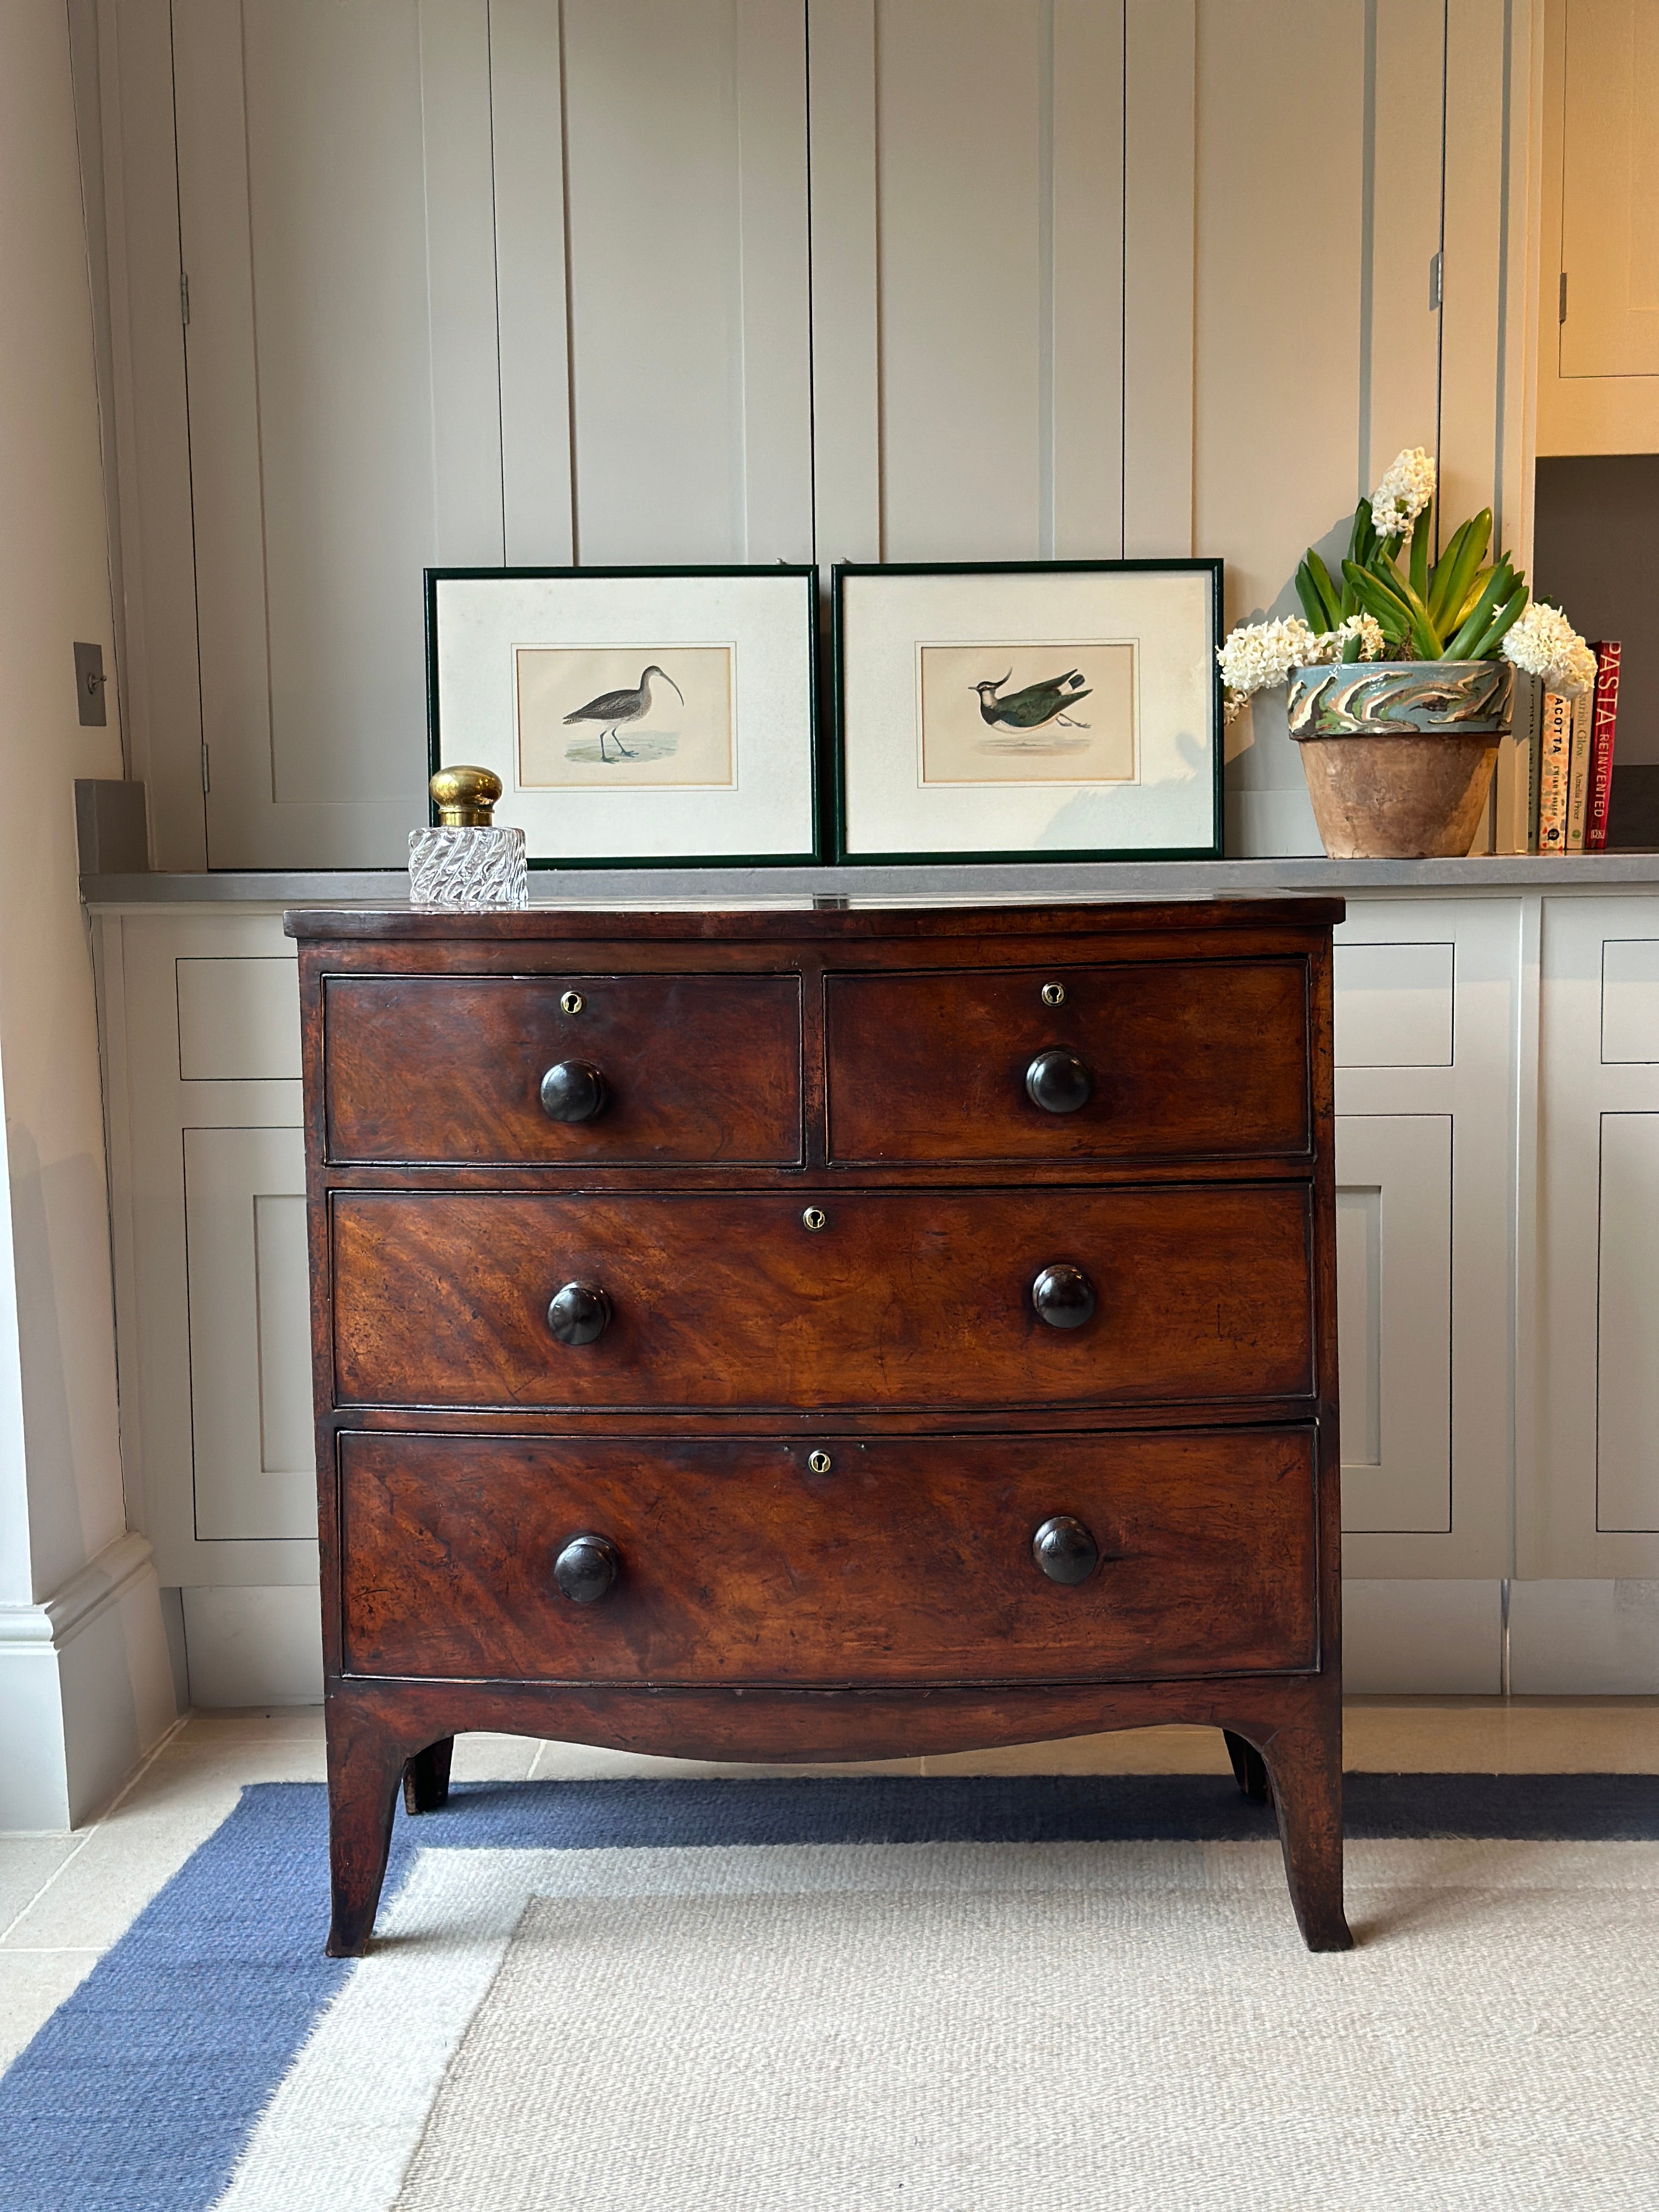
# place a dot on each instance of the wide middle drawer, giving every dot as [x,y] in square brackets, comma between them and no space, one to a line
[835,1560]
[580,1071]
[854,1298]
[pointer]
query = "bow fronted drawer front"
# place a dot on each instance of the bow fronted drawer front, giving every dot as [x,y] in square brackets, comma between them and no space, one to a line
[563,1071]
[1151,1061]
[838,1561]
[875,1299]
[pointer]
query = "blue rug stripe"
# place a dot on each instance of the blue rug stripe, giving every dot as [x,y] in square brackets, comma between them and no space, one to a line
[139,2092]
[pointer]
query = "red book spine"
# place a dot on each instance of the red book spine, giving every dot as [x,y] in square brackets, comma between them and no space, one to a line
[1604,716]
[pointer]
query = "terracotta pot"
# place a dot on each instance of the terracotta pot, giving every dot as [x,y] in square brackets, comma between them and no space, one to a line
[1410,798]
[1399,755]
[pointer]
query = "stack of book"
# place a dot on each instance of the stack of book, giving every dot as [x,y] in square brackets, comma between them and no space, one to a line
[1555,770]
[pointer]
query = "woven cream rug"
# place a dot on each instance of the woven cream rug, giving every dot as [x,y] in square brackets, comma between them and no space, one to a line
[969,2027]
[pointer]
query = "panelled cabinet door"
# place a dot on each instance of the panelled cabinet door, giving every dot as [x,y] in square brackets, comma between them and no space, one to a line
[1592,1506]
[250,1333]
[1610,190]
[1425,994]
[1393,1291]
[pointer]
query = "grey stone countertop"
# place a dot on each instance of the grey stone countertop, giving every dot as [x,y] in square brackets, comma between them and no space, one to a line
[1026,880]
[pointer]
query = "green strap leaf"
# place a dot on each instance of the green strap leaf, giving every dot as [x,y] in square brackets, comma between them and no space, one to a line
[1419,565]
[1498,629]
[1330,598]
[1499,586]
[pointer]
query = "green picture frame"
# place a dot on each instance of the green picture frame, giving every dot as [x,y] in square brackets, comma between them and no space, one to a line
[794,656]
[1188,673]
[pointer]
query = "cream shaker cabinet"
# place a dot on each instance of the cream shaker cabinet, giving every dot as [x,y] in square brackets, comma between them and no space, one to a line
[1497,1164]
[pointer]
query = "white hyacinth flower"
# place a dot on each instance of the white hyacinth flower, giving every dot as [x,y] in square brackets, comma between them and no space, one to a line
[1545,643]
[1403,494]
[1257,656]
[1373,646]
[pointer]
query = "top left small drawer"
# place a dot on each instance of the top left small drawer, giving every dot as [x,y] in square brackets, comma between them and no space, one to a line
[553,1071]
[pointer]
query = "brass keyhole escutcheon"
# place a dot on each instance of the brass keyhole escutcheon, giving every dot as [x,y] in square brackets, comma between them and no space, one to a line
[1053,995]
[815,1217]
[819,1461]
[572,1002]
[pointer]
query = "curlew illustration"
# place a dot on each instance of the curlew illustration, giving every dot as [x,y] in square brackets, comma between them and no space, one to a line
[613,709]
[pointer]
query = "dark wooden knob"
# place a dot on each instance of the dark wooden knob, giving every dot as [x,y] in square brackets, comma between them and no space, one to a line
[1057,1082]
[579,1314]
[1064,1550]
[587,1567]
[574,1091]
[1063,1297]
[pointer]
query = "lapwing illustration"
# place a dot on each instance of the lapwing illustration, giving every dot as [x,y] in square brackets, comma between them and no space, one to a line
[612,709]
[1037,706]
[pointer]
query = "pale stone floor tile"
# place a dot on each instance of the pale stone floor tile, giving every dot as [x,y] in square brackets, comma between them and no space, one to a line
[127,1856]
[28,1863]
[32,1985]
[494,1757]
[1540,1735]
[256,1724]
[583,1762]
[1124,1751]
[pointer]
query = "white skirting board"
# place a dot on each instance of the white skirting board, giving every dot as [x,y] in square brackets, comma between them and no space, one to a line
[1588,1639]
[254,1645]
[85,1689]
[1422,1638]
[259,1646]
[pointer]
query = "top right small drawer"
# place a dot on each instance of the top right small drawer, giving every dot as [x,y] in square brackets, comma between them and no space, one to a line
[1146,1061]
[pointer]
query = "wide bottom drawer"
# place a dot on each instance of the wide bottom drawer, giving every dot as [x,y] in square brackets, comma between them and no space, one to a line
[842,1560]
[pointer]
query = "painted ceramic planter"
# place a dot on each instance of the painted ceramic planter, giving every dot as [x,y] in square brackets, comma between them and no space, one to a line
[1398,754]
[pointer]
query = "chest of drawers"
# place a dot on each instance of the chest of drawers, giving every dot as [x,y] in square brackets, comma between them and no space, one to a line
[820,1332]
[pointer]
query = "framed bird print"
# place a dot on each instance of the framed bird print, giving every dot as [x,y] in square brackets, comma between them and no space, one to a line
[1042,710]
[634,715]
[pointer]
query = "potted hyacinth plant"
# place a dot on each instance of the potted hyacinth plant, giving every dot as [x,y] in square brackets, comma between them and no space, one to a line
[1400,677]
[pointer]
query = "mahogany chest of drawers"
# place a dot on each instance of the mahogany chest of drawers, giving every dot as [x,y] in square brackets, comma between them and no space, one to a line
[821,1331]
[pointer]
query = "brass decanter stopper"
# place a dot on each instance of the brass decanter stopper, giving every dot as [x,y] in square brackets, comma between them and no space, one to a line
[465,797]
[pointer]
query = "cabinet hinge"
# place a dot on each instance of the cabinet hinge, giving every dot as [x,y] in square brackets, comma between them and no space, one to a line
[1434,280]
[183,298]
[207,778]
[1561,309]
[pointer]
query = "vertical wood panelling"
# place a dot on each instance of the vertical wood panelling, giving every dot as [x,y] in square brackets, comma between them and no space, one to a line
[460,262]
[1278,290]
[749,279]
[1399,401]
[526,103]
[150,427]
[773,272]
[1086,282]
[958,162]
[666,192]
[1277,346]
[846,320]
[227,502]
[337,223]
[1471,347]
[1159,276]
